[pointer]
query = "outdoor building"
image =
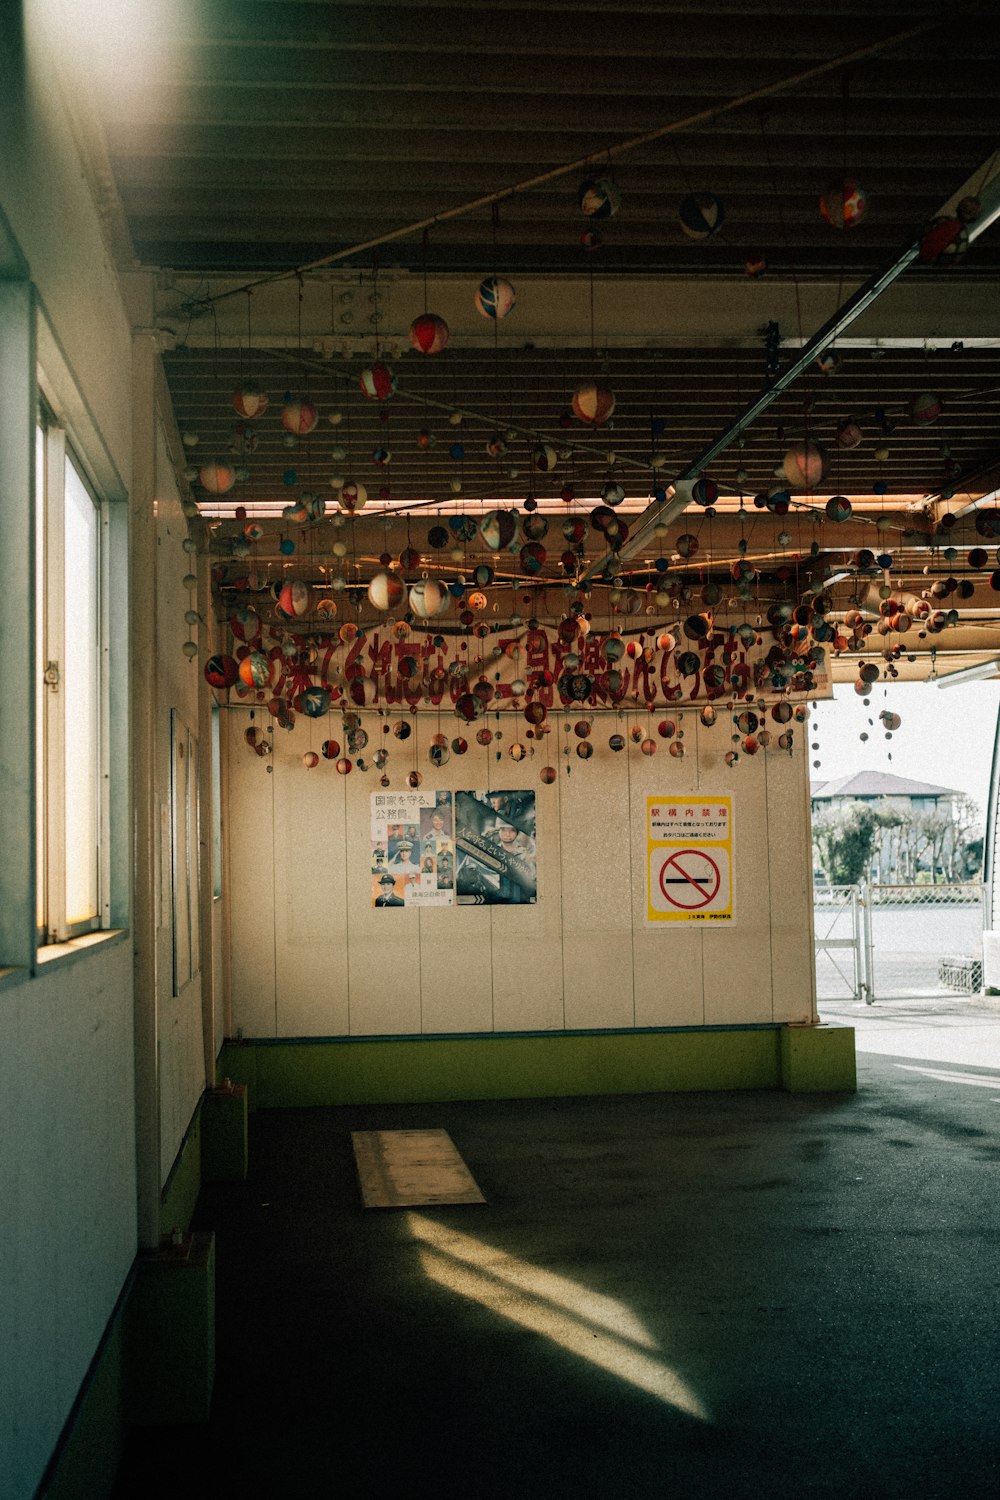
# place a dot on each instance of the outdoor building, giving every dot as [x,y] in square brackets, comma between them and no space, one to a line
[922,831]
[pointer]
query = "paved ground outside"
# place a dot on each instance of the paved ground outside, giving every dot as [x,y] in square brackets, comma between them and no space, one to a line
[961,1030]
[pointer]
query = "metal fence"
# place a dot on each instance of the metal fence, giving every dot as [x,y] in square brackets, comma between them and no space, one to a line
[892,941]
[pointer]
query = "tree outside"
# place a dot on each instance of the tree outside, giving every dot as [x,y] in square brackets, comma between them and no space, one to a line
[943,844]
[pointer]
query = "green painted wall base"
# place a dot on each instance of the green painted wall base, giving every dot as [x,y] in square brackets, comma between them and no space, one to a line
[170,1355]
[224,1133]
[388,1070]
[86,1461]
[180,1193]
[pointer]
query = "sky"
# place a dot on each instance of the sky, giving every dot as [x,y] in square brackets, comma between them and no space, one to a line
[946,735]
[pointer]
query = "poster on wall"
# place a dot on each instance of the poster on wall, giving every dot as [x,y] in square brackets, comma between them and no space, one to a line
[495,848]
[413,849]
[689,858]
[445,849]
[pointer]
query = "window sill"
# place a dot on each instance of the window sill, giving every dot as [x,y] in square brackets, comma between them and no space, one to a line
[77,947]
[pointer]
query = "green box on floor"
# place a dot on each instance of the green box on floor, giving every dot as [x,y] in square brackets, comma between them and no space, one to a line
[224,1133]
[818,1059]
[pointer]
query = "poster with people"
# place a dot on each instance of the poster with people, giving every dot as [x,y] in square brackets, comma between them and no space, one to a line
[413,849]
[495,848]
[440,848]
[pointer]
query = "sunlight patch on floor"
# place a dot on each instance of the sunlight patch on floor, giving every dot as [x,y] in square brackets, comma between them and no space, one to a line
[591,1326]
[948,1077]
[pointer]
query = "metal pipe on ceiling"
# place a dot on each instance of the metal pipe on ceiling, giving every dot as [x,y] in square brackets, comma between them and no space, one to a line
[985,184]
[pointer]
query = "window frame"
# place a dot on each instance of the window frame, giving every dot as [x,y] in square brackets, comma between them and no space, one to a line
[58,452]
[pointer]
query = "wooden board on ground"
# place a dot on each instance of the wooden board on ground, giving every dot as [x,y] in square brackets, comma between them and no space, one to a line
[404,1168]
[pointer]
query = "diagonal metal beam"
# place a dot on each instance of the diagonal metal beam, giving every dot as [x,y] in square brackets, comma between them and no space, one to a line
[984,184]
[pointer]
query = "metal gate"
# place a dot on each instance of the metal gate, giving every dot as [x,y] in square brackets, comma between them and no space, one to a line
[898,941]
[838,928]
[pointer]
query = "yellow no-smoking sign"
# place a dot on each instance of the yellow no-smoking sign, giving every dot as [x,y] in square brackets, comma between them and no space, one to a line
[689,845]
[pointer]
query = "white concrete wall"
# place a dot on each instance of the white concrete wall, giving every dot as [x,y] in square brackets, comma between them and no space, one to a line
[67,1081]
[311,957]
[179,1018]
[67,1190]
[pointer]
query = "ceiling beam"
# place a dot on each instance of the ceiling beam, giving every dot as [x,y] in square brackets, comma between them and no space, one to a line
[985,184]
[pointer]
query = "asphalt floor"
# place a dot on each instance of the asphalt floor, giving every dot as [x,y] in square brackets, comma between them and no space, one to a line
[704,1295]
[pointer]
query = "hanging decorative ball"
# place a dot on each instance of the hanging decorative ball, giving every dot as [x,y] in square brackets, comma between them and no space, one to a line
[425,439]
[293,600]
[844,204]
[377,382]
[298,416]
[386,591]
[496,445]
[591,239]
[598,198]
[704,492]
[343,766]
[804,465]
[532,557]
[249,400]
[253,531]
[584,749]
[701,215]
[329,749]
[286,547]
[255,670]
[495,297]
[381,457]
[217,478]
[352,496]
[890,721]
[687,544]
[944,239]
[593,403]
[314,702]
[221,671]
[429,333]
[612,493]
[848,433]
[925,407]
[544,458]
[828,362]
[648,746]
[755,265]
[839,508]
[617,742]
[429,598]
[498,529]
[438,537]
[677,749]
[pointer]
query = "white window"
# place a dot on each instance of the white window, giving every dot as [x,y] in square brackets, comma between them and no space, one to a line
[71,694]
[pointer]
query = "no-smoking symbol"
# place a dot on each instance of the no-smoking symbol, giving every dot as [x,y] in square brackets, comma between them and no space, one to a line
[690,879]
